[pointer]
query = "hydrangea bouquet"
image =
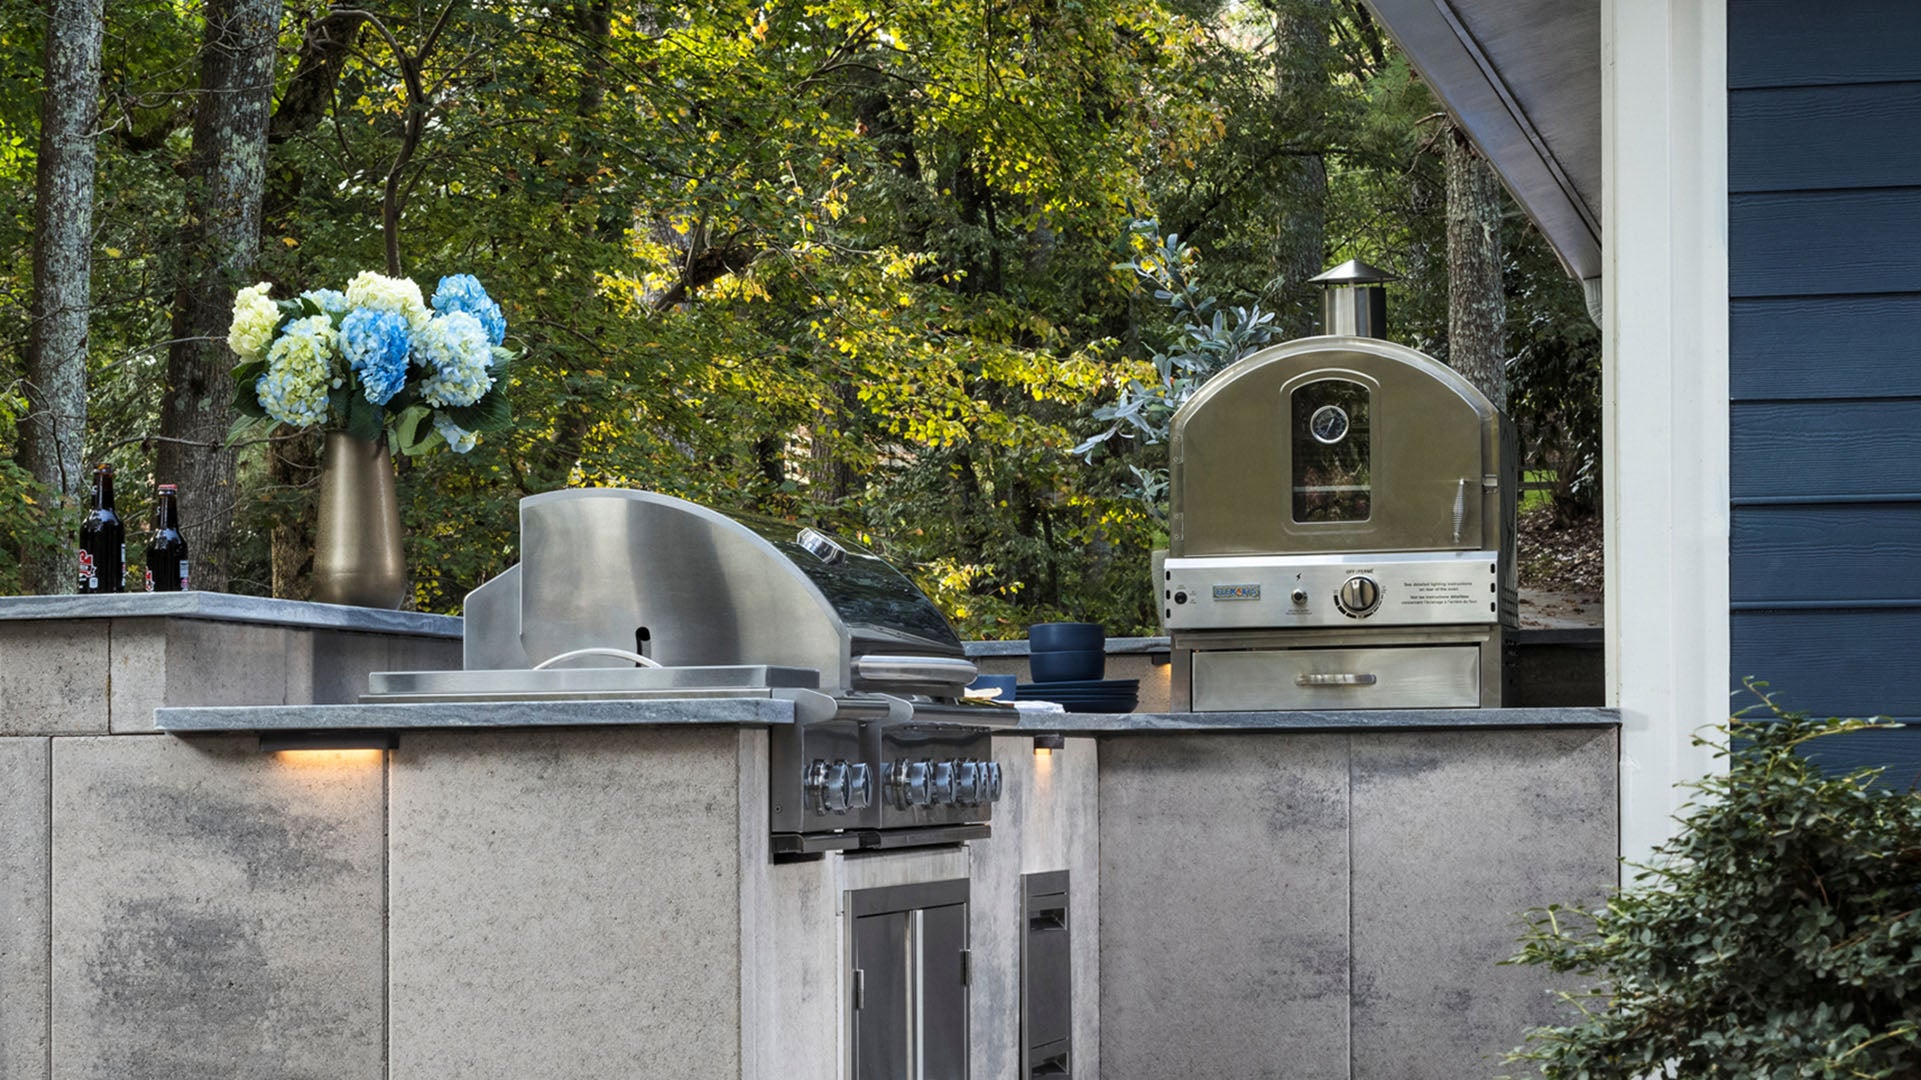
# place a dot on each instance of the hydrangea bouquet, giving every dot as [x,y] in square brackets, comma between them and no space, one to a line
[375,358]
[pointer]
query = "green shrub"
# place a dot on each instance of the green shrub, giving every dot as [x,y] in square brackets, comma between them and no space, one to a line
[1777,936]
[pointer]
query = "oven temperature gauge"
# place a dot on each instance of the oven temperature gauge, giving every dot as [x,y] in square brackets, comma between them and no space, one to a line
[1328,424]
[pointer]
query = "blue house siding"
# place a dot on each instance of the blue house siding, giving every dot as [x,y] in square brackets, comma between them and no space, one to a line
[1824,272]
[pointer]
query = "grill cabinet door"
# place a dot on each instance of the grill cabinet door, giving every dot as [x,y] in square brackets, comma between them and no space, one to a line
[1046,978]
[881,1006]
[908,982]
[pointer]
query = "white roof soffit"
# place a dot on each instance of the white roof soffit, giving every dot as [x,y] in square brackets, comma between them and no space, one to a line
[1523,79]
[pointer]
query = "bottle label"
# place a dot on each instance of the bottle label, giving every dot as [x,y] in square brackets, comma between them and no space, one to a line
[183,575]
[149,579]
[89,574]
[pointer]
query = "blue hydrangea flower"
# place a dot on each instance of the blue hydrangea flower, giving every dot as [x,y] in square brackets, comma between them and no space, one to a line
[458,438]
[299,368]
[462,292]
[454,350]
[331,301]
[376,344]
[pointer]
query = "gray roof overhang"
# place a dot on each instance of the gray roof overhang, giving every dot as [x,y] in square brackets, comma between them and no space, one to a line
[1523,79]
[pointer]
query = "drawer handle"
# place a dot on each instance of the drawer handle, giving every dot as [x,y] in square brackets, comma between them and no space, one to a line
[1343,679]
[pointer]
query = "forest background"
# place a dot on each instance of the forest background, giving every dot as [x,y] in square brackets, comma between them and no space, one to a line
[874,267]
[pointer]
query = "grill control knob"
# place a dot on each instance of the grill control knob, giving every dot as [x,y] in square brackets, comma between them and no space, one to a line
[967,783]
[860,786]
[906,784]
[1358,596]
[833,792]
[940,786]
[814,785]
[991,781]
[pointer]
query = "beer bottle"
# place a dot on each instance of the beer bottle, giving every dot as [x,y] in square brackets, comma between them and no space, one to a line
[103,540]
[167,554]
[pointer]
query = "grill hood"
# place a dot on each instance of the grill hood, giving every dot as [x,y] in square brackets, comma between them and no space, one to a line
[686,586]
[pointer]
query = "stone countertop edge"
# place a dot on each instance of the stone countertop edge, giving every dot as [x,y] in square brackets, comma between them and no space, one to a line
[425,716]
[1331,720]
[229,607]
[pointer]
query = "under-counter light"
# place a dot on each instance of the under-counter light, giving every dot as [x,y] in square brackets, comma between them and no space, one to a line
[278,742]
[1047,744]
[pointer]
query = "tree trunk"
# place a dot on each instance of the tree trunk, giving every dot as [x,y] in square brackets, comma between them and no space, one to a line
[1476,304]
[219,245]
[1302,59]
[53,433]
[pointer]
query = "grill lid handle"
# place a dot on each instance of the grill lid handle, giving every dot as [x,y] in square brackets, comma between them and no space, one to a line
[914,669]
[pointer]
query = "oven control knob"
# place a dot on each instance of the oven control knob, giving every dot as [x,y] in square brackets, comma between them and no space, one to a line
[967,783]
[991,781]
[940,785]
[860,786]
[1358,597]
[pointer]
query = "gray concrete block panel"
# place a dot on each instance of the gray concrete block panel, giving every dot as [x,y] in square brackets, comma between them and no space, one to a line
[53,680]
[1455,833]
[1223,906]
[565,904]
[25,847]
[216,911]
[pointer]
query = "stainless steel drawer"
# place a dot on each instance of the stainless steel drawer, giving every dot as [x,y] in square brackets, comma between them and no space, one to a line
[1433,677]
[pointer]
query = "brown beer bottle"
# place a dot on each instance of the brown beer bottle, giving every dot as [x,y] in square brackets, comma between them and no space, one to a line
[103,540]
[167,554]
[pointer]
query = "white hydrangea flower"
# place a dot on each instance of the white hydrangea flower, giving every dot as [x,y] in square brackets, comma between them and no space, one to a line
[455,351]
[299,372]
[254,319]
[383,293]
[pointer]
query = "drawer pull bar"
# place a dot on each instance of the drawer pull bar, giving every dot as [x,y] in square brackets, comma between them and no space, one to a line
[1344,679]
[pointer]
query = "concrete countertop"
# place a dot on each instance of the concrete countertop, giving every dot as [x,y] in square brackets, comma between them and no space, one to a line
[1332,720]
[761,712]
[229,607]
[667,712]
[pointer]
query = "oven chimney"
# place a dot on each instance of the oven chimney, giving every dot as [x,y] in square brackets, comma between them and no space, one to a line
[1354,300]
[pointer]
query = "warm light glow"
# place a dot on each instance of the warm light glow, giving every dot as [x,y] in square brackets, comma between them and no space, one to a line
[1042,751]
[330,759]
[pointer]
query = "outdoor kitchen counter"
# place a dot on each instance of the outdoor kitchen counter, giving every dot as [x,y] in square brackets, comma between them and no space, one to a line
[1189,723]
[672,712]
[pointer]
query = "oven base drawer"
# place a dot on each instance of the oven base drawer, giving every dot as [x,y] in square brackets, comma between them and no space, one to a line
[1250,680]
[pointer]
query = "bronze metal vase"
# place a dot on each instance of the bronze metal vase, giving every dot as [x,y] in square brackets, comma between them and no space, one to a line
[357,554]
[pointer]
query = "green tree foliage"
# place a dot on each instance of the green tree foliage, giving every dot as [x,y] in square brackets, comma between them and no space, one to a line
[1778,936]
[845,264]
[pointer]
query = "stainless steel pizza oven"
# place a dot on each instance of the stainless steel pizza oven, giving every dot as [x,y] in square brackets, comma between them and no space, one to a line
[1342,526]
[635,595]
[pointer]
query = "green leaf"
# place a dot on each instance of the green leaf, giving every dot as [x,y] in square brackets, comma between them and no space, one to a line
[248,371]
[364,418]
[309,308]
[246,401]
[490,414]
[427,442]
[407,429]
[245,428]
[340,406]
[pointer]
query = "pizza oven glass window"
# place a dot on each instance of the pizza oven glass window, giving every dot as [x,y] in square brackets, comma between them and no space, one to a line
[1333,466]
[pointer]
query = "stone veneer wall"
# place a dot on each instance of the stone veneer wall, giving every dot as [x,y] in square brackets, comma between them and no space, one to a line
[1334,906]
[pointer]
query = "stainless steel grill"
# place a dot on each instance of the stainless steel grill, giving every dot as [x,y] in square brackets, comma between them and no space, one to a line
[635,595]
[1342,526]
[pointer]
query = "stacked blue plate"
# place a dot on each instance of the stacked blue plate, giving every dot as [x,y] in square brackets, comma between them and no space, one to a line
[1085,695]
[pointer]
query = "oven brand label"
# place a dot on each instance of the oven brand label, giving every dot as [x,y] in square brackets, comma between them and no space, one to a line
[1237,592]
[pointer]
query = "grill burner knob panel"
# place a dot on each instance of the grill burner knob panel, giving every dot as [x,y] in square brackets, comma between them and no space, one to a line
[1358,597]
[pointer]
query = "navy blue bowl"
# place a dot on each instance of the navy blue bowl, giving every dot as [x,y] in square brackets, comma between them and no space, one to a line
[1066,637]
[1003,683]
[1064,666]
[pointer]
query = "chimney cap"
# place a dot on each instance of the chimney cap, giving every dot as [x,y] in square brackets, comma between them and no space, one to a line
[1355,272]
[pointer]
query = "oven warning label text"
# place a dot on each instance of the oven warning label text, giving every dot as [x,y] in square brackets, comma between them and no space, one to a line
[1237,592]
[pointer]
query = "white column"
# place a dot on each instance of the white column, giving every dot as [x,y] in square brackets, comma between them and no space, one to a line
[1665,394]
